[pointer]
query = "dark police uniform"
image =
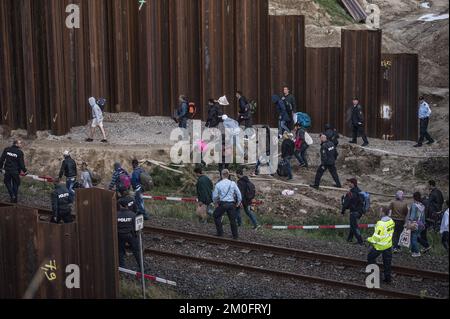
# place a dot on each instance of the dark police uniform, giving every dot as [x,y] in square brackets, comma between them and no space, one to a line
[61,201]
[127,235]
[128,202]
[13,163]
[358,129]
[328,155]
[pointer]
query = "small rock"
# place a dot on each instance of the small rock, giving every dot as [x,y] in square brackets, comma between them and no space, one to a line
[245,251]
[317,263]
[241,274]
[268,255]
[225,247]
[339,267]
[417,279]
[291,259]
[202,244]
[302,211]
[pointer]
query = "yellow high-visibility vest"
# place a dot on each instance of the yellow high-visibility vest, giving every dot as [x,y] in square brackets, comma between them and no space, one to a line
[382,238]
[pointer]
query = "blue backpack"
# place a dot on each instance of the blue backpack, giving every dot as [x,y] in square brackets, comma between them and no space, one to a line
[304,120]
[365,198]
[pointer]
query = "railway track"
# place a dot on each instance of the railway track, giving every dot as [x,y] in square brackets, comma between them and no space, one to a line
[291,253]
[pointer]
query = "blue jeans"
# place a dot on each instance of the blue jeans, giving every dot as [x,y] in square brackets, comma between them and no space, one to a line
[416,239]
[282,127]
[139,200]
[70,182]
[248,211]
[301,155]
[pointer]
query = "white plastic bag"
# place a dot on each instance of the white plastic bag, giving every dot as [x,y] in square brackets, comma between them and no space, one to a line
[405,238]
[308,139]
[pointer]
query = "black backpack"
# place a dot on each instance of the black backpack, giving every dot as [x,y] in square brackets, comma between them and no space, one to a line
[102,103]
[250,192]
[282,170]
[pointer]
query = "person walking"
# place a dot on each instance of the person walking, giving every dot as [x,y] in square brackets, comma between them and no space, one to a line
[61,204]
[291,106]
[227,197]
[233,131]
[248,192]
[136,183]
[264,154]
[12,164]
[301,146]
[244,110]
[424,119]
[398,210]
[382,244]
[86,176]
[97,121]
[283,116]
[214,114]
[416,223]
[183,112]
[332,134]
[357,121]
[120,181]
[69,170]
[353,202]
[126,220]
[328,155]
[287,151]
[435,203]
[204,188]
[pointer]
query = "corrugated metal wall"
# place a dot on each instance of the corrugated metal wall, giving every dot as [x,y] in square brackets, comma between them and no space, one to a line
[400,87]
[141,61]
[26,243]
[360,67]
[323,91]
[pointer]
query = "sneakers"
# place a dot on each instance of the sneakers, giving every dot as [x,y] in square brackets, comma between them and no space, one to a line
[416,255]
[424,251]
[104,141]
[89,140]
[314,186]
[257,227]
[431,142]
[365,144]
[418,145]
[353,142]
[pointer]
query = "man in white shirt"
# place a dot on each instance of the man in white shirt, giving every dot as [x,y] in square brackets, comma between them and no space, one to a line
[97,121]
[424,117]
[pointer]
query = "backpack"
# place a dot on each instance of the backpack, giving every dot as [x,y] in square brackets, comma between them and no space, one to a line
[101,103]
[282,170]
[192,109]
[289,108]
[250,192]
[304,120]
[252,106]
[308,139]
[365,199]
[146,181]
[124,182]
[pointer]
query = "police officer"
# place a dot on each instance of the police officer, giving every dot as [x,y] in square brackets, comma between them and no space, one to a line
[69,170]
[357,120]
[128,201]
[127,235]
[382,244]
[328,155]
[332,134]
[12,164]
[61,204]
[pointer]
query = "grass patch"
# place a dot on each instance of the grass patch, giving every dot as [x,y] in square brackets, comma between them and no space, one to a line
[338,14]
[132,289]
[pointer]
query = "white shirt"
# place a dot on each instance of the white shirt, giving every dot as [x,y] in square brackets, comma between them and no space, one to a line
[444,223]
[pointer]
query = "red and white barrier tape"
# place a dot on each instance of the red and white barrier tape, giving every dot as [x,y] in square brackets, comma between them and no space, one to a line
[46,179]
[179,199]
[316,227]
[148,277]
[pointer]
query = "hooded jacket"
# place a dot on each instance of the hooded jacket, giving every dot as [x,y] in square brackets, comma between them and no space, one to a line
[242,185]
[97,113]
[352,201]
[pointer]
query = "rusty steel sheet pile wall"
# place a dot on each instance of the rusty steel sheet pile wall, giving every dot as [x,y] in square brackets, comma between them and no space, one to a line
[288,58]
[360,67]
[142,60]
[27,244]
[400,87]
[323,91]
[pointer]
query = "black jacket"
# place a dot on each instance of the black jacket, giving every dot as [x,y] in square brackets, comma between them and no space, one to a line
[68,168]
[126,221]
[242,185]
[244,110]
[287,148]
[357,115]
[12,160]
[214,114]
[352,201]
[61,200]
[291,100]
[435,201]
[328,153]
